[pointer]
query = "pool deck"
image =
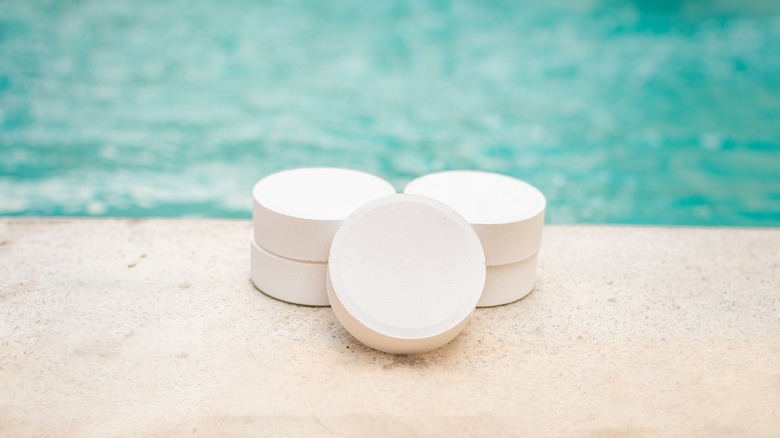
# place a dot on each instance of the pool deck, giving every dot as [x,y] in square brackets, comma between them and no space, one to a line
[152,328]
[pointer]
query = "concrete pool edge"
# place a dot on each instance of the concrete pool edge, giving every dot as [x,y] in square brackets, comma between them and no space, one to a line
[631,330]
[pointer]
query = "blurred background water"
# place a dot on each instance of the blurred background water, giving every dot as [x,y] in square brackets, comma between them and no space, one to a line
[651,112]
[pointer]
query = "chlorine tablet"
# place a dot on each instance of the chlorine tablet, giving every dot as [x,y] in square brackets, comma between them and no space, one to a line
[508,283]
[405,274]
[296,212]
[288,280]
[506,213]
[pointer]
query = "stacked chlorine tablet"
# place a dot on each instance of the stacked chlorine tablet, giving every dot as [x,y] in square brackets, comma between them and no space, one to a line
[507,215]
[295,215]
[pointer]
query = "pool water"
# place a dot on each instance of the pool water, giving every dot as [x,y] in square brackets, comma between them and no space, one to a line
[642,112]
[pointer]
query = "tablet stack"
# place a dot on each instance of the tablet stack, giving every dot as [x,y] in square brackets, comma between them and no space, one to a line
[402,272]
[508,216]
[295,215]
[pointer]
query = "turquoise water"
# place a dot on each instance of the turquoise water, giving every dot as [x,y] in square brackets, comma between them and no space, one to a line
[661,112]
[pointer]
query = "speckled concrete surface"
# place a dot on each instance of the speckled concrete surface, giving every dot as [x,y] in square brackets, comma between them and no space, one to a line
[151,328]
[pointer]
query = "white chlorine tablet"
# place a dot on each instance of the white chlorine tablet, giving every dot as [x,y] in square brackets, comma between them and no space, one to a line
[288,280]
[405,273]
[508,283]
[506,213]
[296,212]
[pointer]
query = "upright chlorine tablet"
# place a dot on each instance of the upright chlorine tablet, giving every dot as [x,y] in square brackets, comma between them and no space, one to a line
[296,212]
[506,213]
[405,273]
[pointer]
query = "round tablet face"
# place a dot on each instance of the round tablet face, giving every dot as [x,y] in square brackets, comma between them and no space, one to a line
[506,213]
[297,212]
[319,193]
[481,197]
[405,273]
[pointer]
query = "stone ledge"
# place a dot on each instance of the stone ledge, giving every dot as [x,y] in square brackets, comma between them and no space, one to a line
[115,327]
